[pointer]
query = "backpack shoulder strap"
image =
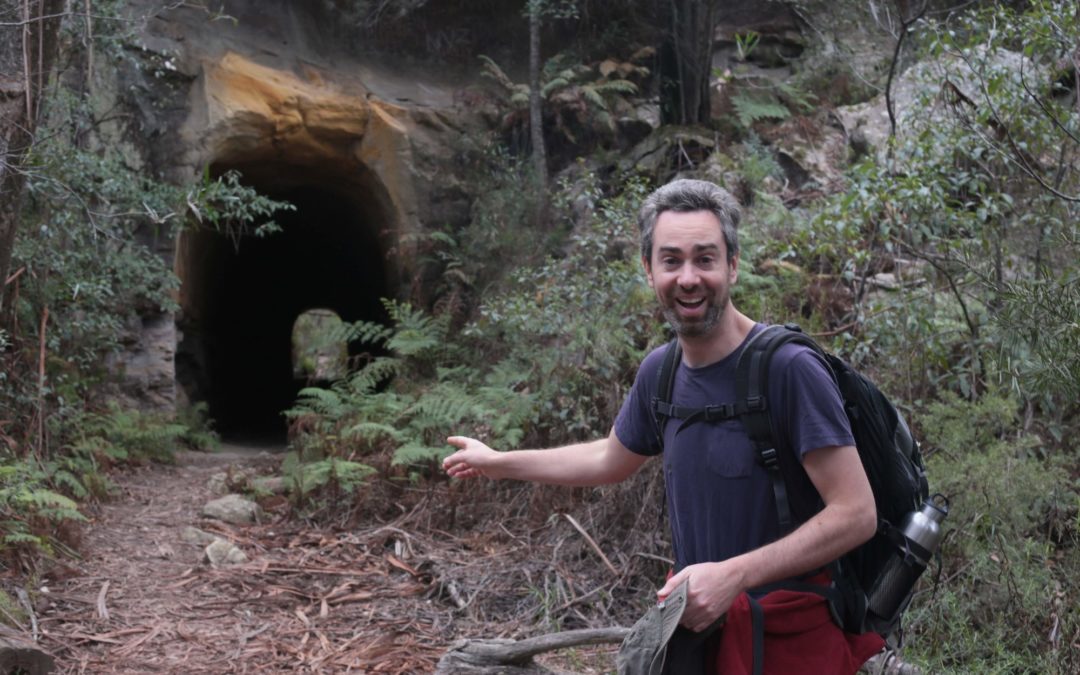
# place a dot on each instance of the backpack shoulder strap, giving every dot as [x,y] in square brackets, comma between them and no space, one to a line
[752,387]
[664,408]
[665,385]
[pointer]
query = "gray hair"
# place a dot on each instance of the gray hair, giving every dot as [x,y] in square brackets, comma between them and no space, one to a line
[686,195]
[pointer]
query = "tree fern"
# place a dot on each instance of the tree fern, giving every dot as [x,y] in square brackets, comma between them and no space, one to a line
[515,93]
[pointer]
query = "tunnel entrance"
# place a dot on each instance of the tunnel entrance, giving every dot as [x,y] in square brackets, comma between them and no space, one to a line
[240,304]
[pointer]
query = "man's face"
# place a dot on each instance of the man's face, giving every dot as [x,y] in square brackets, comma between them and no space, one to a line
[689,271]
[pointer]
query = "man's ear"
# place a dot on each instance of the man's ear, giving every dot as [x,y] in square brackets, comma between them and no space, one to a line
[648,270]
[733,269]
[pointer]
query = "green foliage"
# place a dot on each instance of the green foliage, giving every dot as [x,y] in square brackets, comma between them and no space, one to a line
[226,205]
[756,163]
[12,613]
[404,404]
[579,322]
[758,99]
[89,269]
[131,434]
[1011,556]
[323,475]
[580,97]
[751,108]
[987,239]
[198,433]
[31,510]
[498,231]
[745,43]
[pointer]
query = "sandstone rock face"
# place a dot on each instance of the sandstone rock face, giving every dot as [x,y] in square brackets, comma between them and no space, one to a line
[262,87]
[916,96]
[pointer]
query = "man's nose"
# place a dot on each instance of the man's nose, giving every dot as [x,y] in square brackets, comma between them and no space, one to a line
[688,276]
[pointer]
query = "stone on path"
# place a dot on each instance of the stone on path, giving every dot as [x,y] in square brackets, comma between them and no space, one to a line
[274,485]
[193,535]
[233,509]
[222,552]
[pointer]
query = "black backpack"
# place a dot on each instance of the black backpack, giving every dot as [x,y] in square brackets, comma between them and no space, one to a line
[889,454]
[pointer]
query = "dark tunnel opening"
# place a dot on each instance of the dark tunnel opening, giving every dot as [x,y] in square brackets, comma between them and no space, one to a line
[240,303]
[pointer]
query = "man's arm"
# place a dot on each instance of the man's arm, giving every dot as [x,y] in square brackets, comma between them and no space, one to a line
[600,462]
[848,519]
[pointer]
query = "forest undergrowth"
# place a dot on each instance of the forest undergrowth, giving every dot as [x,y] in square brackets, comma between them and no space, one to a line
[944,264]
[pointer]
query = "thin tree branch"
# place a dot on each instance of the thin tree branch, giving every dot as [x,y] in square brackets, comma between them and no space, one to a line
[1017,157]
[905,24]
[1038,99]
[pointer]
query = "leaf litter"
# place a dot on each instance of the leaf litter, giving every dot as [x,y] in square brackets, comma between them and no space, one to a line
[387,589]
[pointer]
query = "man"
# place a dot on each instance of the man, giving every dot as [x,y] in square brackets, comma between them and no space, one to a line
[721,505]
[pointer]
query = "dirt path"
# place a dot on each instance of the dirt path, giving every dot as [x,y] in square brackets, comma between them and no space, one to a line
[142,600]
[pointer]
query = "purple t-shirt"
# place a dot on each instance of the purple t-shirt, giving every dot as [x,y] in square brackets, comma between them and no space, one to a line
[720,498]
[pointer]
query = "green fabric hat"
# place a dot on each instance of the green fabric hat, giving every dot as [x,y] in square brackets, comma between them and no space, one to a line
[644,648]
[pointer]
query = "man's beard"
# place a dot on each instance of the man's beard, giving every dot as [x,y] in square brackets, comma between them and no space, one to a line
[690,329]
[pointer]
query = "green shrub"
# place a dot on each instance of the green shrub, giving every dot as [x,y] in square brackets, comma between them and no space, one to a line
[198,427]
[1011,558]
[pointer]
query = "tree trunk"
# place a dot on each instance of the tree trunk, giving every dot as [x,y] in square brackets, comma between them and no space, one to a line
[536,113]
[686,61]
[29,38]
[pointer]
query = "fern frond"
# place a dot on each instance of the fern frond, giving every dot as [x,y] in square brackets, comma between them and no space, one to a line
[364,332]
[418,453]
[622,87]
[313,476]
[520,99]
[324,402]
[751,110]
[444,410]
[590,94]
[492,71]
[15,538]
[370,431]
[72,483]
[372,376]
[797,97]
[553,86]
[419,335]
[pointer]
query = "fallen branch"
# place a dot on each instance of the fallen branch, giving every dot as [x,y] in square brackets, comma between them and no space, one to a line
[515,656]
[592,543]
[18,654]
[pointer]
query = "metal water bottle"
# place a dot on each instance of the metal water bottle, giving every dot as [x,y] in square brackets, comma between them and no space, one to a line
[921,536]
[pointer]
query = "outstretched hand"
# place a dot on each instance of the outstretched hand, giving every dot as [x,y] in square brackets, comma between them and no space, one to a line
[472,459]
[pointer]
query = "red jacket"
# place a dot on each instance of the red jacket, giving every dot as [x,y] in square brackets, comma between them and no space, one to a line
[799,637]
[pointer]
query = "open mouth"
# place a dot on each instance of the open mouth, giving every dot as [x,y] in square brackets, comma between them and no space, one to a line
[690,304]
